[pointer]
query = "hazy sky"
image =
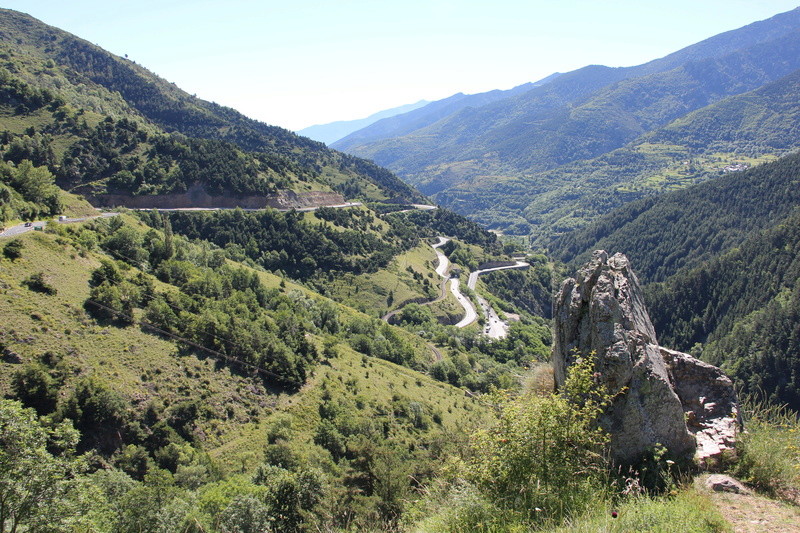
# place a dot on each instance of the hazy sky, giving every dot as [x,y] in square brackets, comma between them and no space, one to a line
[295,63]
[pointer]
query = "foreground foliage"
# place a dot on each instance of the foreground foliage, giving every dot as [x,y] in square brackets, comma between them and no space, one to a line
[770,449]
[545,459]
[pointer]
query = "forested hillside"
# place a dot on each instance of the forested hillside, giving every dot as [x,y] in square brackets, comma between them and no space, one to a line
[742,307]
[720,265]
[681,229]
[62,87]
[555,157]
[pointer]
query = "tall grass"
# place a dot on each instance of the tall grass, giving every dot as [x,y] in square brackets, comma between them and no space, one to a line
[769,448]
[687,512]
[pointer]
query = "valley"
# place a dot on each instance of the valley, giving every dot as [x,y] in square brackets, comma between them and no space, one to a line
[209,324]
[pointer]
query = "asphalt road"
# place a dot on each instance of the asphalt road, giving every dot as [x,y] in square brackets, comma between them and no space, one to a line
[298,209]
[470,314]
[19,229]
[494,328]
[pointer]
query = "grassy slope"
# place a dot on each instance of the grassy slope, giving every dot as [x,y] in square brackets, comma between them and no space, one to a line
[370,292]
[143,366]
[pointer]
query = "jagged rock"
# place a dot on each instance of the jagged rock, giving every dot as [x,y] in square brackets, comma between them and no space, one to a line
[722,483]
[602,310]
[709,401]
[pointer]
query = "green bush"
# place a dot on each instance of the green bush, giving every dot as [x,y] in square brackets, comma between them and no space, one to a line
[13,250]
[34,387]
[545,458]
[36,282]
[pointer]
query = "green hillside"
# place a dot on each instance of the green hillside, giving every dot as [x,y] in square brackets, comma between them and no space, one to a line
[243,369]
[203,366]
[197,360]
[681,229]
[719,265]
[99,119]
[558,155]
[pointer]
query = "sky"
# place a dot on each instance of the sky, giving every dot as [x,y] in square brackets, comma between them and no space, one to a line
[295,63]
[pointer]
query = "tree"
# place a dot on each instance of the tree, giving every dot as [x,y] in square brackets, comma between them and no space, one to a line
[98,413]
[13,250]
[245,514]
[32,480]
[35,388]
[36,184]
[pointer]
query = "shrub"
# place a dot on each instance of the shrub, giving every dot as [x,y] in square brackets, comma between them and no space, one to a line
[34,387]
[13,250]
[36,282]
[546,456]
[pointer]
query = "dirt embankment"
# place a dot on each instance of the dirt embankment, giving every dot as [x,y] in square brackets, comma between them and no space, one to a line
[197,197]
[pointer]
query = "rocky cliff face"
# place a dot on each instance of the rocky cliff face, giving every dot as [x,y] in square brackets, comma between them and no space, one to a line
[660,396]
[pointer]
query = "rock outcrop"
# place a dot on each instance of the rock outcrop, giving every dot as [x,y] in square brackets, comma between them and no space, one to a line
[660,396]
[722,483]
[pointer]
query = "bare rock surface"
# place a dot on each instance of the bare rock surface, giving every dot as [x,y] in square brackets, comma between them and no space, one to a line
[655,390]
[723,483]
[709,403]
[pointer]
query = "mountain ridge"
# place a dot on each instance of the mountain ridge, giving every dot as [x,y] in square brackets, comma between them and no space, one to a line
[127,89]
[432,112]
[333,131]
[579,115]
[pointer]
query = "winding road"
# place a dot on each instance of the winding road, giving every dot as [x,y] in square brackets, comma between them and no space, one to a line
[495,327]
[470,314]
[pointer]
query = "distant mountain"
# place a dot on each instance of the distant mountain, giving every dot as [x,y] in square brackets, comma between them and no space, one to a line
[431,113]
[332,132]
[734,133]
[478,159]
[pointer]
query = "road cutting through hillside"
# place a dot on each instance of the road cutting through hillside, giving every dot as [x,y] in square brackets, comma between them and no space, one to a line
[495,328]
[39,225]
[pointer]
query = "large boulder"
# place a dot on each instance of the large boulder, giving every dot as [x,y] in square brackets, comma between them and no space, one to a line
[655,391]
